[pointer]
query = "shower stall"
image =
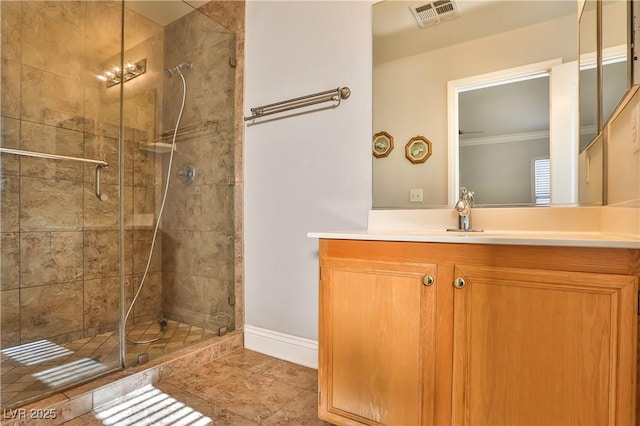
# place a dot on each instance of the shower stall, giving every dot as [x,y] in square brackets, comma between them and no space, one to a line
[118,196]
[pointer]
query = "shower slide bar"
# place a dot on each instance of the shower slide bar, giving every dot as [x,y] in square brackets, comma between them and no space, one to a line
[335,95]
[99,164]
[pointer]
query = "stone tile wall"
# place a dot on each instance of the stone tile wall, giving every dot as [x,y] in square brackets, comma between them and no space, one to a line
[59,244]
[198,225]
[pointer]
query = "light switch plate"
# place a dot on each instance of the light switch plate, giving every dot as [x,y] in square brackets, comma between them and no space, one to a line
[415,195]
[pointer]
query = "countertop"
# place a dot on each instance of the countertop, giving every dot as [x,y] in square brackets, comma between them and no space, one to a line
[565,239]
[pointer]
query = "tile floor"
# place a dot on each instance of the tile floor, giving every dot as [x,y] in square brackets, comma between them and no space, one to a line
[240,388]
[42,367]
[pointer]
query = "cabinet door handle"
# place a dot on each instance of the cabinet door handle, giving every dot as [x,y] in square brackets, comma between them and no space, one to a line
[459,283]
[428,280]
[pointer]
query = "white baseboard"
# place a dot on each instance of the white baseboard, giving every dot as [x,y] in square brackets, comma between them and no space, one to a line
[282,346]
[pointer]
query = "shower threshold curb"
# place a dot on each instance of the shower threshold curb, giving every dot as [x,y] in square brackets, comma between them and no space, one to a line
[87,397]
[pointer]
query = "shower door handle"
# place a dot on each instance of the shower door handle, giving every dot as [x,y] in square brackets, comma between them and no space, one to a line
[101,197]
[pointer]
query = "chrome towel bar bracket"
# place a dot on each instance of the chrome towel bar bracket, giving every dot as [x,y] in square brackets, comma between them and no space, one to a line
[335,95]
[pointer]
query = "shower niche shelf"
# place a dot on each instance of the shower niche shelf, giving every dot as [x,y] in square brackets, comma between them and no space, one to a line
[156,147]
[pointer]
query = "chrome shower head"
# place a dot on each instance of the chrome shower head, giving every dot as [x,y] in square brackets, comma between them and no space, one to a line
[177,69]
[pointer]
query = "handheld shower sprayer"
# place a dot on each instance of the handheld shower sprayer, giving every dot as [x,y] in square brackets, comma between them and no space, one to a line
[177,69]
[190,175]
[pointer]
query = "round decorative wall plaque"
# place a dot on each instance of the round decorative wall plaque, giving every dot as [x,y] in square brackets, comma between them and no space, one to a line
[382,144]
[418,149]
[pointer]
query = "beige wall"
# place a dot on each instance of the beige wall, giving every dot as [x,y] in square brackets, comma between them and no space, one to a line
[308,172]
[623,156]
[591,173]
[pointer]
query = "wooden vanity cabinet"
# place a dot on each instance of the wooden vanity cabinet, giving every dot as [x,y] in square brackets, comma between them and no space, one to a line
[501,335]
[381,329]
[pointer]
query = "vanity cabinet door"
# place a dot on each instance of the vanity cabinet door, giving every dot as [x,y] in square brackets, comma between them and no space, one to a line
[536,347]
[377,342]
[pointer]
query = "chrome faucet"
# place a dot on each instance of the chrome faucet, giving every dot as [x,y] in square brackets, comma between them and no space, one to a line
[463,207]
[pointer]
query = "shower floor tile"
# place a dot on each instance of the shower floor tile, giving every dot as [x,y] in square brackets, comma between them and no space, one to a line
[38,367]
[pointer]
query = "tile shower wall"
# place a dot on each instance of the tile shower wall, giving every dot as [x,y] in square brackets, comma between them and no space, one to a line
[59,244]
[198,226]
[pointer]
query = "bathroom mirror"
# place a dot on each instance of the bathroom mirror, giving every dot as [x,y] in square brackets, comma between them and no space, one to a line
[616,67]
[590,114]
[413,65]
[604,40]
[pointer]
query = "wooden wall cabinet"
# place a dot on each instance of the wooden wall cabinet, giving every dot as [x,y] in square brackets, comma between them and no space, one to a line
[530,335]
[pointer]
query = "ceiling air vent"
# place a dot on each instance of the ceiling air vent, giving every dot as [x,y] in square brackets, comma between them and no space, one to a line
[434,12]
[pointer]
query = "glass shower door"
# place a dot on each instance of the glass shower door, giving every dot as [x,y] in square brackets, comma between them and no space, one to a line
[60,265]
[178,149]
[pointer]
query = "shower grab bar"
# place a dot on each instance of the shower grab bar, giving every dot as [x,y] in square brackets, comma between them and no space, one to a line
[99,163]
[50,156]
[335,95]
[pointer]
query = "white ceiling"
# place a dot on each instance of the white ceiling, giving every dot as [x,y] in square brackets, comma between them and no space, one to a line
[396,32]
[392,16]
